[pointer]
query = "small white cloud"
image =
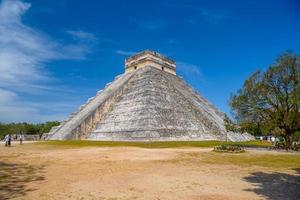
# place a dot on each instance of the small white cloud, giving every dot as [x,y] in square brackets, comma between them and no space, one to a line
[124,53]
[83,43]
[82,35]
[189,70]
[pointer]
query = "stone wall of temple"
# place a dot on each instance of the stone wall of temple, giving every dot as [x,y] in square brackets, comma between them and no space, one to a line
[154,107]
[150,58]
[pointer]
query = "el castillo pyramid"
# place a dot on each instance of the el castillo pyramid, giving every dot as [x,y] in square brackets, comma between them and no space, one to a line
[149,102]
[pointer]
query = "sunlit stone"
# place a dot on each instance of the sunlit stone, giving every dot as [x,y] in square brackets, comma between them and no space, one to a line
[148,102]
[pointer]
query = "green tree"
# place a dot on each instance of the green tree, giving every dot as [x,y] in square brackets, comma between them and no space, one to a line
[26,128]
[230,125]
[271,99]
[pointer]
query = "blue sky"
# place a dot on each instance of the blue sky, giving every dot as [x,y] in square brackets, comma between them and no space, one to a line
[54,55]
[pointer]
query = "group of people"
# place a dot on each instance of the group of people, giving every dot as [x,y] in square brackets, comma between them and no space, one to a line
[8,139]
[271,139]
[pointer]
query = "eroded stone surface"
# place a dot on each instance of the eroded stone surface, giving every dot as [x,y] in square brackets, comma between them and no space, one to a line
[146,103]
[154,107]
[82,122]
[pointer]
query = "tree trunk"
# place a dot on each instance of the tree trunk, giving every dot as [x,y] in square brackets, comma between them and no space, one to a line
[288,143]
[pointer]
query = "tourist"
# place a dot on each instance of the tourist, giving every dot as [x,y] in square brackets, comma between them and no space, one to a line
[21,138]
[9,139]
[261,138]
[6,140]
[273,140]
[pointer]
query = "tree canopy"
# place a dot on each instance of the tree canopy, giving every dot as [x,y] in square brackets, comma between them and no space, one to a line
[26,128]
[269,102]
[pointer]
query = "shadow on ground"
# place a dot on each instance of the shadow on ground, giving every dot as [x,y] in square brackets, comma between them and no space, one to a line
[14,178]
[276,186]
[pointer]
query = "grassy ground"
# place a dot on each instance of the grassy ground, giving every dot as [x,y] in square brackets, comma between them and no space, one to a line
[68,170]
[271,160]
[242,159]
[172,144]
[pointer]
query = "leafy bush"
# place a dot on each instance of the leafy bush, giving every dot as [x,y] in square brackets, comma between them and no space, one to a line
[229,148]
[296,146]
[296,136]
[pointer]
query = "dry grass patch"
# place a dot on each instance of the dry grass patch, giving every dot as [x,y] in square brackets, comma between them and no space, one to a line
[154,144]
[247,159]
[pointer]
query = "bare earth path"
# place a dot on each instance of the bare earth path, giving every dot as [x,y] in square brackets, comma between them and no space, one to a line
[33,172]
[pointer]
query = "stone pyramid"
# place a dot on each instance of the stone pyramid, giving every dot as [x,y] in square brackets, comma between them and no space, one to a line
[148,102]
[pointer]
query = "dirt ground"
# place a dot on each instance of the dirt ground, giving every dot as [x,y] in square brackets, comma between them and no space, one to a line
[111,173]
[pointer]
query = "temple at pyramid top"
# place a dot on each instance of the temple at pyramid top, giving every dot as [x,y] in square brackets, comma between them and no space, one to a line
[150,58]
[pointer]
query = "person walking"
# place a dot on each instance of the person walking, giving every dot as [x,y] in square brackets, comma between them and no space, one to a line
[261,139]
[21,138]
[273,140]
[6,140]
[9,139]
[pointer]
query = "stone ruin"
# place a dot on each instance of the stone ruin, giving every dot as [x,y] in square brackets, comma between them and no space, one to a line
[149,102]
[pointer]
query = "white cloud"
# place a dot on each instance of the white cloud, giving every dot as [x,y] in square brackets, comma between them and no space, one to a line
[7,96]
[79,34]
[190,71]
[24,52]
[11,11]
[83,43]
[10,108]
[124,53]
[22,49]
[15,109]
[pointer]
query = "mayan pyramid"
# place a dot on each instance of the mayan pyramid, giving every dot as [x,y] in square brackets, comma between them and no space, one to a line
[148,102]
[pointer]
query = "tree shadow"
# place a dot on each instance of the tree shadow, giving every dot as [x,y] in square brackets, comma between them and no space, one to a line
[276,186]
[15,177]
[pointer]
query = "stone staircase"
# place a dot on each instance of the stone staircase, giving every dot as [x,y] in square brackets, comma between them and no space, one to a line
[84,120]
[153,107]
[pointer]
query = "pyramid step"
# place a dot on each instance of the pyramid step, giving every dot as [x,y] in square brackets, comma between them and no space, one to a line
[146,104]
[80,121]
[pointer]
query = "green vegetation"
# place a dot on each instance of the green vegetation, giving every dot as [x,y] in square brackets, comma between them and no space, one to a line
[230,125]
[173,144]
[269,102]
[26,128]
[248,159]
[229,148]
